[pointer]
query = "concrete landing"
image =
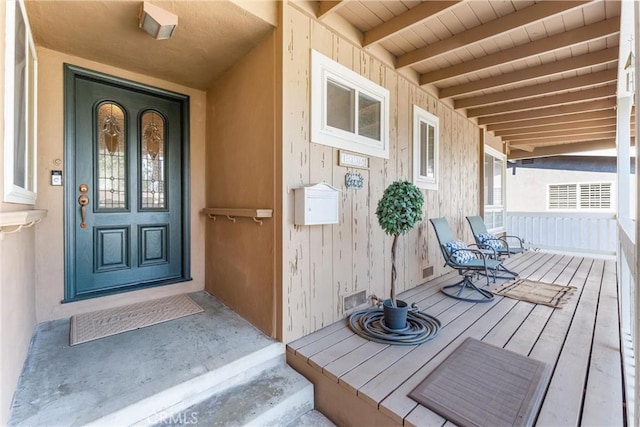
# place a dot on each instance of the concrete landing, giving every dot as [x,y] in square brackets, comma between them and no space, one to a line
[104,379]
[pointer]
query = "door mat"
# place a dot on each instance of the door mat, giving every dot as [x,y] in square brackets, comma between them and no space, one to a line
[483,385]
[536,292]
[104,323]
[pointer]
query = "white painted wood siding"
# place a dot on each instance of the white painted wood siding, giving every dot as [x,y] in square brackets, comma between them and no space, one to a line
[323,264]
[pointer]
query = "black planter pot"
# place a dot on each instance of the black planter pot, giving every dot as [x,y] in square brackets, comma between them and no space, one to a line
[395,317]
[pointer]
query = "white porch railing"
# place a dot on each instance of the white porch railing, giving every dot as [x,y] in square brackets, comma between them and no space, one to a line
[566,231]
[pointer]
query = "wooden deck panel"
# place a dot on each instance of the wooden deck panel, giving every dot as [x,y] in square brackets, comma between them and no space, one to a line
[580,342]
[605,379]
[428,299]
[401,405]
[562,405]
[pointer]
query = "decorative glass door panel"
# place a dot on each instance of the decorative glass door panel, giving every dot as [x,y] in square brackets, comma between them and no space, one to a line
[152,161]
[111,157]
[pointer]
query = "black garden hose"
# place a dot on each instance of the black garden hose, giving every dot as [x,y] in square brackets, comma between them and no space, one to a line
[369,324]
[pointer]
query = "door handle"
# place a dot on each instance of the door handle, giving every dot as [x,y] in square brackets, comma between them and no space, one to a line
[83,201]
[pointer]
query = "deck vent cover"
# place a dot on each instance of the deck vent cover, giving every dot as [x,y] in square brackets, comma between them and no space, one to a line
[354,300]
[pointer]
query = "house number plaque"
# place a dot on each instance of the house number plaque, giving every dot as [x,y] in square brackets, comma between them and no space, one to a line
[348,159]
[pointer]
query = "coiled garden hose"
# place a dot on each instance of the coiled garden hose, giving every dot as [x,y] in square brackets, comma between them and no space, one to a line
[369,324]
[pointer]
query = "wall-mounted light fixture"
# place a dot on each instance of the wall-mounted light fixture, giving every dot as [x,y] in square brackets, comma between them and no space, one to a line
[159,23]
[629,68]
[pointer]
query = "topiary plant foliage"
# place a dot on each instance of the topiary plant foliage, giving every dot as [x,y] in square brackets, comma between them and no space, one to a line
[398,211]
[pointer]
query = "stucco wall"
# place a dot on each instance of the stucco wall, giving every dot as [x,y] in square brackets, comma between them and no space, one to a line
[49,245]
[323,264]
[241,169]
[18,314]
[17,282]
[527,189]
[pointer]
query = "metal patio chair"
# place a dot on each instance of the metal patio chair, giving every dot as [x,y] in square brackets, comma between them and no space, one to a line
[499,243]
[467,261]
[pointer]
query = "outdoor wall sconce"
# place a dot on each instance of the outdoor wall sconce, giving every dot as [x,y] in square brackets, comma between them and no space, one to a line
[159,23]
[353,180]
[629,68]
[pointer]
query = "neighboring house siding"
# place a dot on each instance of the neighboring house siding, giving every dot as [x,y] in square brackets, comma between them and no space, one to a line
[323,264]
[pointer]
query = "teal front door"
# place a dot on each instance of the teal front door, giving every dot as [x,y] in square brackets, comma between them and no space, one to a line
[126,187]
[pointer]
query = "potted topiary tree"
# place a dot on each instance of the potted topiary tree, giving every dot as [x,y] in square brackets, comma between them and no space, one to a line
[398,211]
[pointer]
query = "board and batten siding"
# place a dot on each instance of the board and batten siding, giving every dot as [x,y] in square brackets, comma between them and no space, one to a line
[322,264]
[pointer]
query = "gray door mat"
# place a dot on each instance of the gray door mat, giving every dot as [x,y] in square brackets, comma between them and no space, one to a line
[104,323]
[483,385]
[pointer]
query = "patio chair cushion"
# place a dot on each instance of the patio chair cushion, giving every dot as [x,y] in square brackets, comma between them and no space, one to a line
[491,241]
[455,250]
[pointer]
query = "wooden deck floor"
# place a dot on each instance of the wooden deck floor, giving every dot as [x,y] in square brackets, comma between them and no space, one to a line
[358,382]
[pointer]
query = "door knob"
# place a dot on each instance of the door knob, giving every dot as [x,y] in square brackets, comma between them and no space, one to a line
[83,201]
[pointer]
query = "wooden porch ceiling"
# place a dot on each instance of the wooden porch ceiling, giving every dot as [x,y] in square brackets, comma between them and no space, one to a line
[541,75]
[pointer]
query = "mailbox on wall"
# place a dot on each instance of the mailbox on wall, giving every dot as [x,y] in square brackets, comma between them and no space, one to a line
[316,204]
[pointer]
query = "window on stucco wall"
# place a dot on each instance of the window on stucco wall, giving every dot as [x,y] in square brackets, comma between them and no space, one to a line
[19,108]
[586,196]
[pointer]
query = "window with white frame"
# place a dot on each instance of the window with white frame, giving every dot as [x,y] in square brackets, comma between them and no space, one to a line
[590,195]
[348,111]
[19,107]
[425,149]
[494,189]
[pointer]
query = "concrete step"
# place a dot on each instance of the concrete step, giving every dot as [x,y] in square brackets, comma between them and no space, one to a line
[175,399]
[277,397]
[312,419]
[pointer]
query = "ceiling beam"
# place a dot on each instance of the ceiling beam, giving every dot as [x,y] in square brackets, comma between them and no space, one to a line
[405,20]
[576,63]
[559,110]
[528,148]
[601,77]
[545,101]
[489,29]
[559,133]
[563,139]
[556,42]
[561,149]
[327,7]
[567,118]
[561,127]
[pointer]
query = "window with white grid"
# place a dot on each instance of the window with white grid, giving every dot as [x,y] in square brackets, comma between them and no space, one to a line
[595,195]
[592,195]
[563,196]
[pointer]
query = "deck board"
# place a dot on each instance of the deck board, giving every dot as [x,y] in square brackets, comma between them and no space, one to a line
[563,401]
[605,370]
[580,342]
